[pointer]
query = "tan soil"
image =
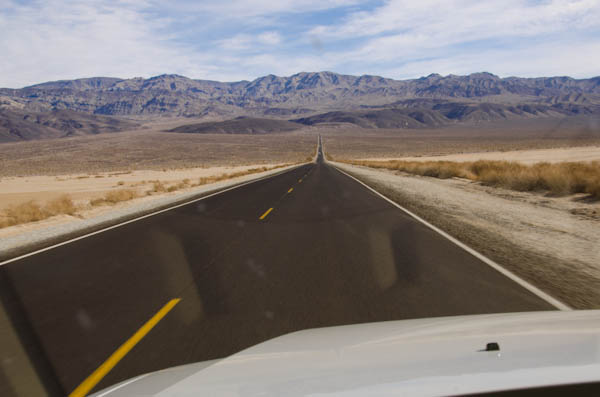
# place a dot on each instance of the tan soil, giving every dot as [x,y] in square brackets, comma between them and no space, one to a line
[585,153]
[83,187]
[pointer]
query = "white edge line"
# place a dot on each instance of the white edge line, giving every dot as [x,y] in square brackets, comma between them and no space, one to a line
[531,288]
[146,216]
[122,385]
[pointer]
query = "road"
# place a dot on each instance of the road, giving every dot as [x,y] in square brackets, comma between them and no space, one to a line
[307,248]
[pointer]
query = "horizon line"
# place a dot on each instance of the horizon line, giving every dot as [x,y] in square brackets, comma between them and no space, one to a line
[295,74]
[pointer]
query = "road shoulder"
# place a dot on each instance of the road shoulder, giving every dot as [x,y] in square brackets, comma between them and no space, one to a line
[30,241]
[532,236]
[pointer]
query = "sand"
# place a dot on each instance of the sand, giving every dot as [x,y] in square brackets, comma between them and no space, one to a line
[584,153]
[83,187]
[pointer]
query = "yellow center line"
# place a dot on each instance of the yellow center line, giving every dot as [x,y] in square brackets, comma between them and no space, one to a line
[92,380]
[289,191]
[266,213]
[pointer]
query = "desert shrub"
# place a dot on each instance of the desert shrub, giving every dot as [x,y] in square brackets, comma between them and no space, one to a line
[97,201]
[115,196]
[557,179]
[593,187]
[158,187]
[61,205]
[24,213]
[32,211]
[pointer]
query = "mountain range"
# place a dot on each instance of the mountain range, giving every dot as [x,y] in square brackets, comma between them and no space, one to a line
[307,98]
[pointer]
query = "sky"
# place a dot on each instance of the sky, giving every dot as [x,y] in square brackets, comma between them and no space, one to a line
[236,40]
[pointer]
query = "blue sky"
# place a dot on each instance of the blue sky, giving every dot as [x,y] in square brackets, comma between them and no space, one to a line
[241,40]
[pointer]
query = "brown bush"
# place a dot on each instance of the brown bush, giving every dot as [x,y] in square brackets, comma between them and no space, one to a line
[558,178]
[32,211]
[158,187]
[212,179]
[115,196]
[61,205]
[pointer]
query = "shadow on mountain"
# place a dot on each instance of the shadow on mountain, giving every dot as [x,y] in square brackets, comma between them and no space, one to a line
[19,125]
[240,125]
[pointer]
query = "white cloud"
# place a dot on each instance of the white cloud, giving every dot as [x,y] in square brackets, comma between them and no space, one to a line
[54,39]
[410,39]
[467,19]
[61,40]
[253,8]
[269,38]
[237,42]
[577,60]
[244,41]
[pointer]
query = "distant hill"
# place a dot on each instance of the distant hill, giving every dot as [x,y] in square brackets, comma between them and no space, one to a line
[82,106]
[436,113]
[175,95]
[17,125]
[240,125]
[384,118]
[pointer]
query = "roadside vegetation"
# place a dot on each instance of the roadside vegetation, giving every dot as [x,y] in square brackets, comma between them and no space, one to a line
[554,178]
[32,211]
[115,196]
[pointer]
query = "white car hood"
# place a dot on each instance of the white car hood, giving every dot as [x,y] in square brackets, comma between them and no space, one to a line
[428,357]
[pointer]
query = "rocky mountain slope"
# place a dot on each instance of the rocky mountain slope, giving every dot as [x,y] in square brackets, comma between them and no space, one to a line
[239,125]
[84,106]
[435,113]
[175,95]
[18,125]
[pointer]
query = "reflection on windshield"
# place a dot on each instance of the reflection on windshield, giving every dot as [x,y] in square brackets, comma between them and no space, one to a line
[241,280]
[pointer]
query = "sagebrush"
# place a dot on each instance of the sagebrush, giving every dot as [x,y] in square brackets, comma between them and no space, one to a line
[555,178]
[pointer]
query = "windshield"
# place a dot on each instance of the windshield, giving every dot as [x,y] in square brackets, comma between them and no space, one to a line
[180,182]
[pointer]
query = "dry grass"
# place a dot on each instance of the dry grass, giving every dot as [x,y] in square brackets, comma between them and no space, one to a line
[114,197]
[161,187]
[32,211]
[217,178]
[157,187]
[557,179]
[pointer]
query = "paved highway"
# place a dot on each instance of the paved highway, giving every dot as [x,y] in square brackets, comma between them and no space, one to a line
[307,248]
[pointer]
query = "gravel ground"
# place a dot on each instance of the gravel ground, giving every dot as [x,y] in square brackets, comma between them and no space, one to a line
[30,240]
[552,242]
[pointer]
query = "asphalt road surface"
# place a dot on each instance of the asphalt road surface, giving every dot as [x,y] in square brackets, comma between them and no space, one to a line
[308,248]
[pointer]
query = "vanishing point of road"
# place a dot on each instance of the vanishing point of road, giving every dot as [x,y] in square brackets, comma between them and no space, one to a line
[307,248]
